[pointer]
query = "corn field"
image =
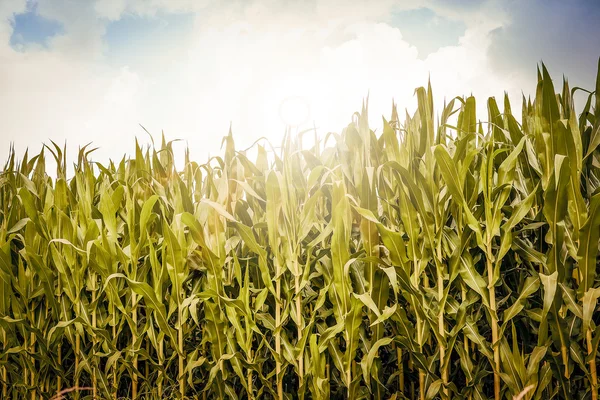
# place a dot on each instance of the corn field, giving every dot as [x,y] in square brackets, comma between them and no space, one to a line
[444,257]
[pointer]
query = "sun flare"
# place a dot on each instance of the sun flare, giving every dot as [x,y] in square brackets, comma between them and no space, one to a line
[294,110]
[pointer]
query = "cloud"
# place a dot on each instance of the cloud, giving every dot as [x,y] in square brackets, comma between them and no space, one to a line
[8,9]
[235,61]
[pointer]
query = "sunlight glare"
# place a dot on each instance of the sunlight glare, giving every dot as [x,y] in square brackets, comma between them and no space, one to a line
[294,110]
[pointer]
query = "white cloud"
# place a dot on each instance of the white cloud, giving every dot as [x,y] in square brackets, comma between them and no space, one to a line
[110,9]
[123,88]
[8,8]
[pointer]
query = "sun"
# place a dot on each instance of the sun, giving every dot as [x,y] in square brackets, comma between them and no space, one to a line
[294,110]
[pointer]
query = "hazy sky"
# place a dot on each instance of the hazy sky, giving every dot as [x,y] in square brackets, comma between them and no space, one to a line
[84,70]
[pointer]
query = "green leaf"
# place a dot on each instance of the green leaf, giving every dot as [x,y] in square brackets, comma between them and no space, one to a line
[589,301]
[530,286]
[367,363]
[455,187]
[588,246]
[144,290]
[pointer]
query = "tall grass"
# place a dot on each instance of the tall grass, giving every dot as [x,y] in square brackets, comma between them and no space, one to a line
[442,258]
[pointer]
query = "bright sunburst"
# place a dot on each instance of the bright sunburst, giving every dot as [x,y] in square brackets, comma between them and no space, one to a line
[294,110]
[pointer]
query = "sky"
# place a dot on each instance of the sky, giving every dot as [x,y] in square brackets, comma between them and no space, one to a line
[80,71]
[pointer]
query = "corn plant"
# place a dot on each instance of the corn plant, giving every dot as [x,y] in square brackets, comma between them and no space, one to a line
[451,255]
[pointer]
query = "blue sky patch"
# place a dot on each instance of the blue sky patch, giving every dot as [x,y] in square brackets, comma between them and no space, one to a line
[141,29]
[132,38]
[426,30]
[31,28]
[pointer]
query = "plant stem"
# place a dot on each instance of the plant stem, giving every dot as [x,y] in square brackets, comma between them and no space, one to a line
[466,340]
[160,362]
[592,365]
[77,351]
[4,371]
[32,339]
[146,363]
[441,323]
[277,334]
[350,376]
[205,353]
[134,378]
[412,383]
[416,279]
[298,317]
[249,339]
[180,346]
[400,369]
[94,379]
[32,349]
[59,379]
[442,331]
[250,394]
[114,332]
[490,270]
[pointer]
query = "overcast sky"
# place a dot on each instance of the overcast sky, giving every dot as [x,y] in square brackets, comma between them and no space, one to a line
[92,71]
